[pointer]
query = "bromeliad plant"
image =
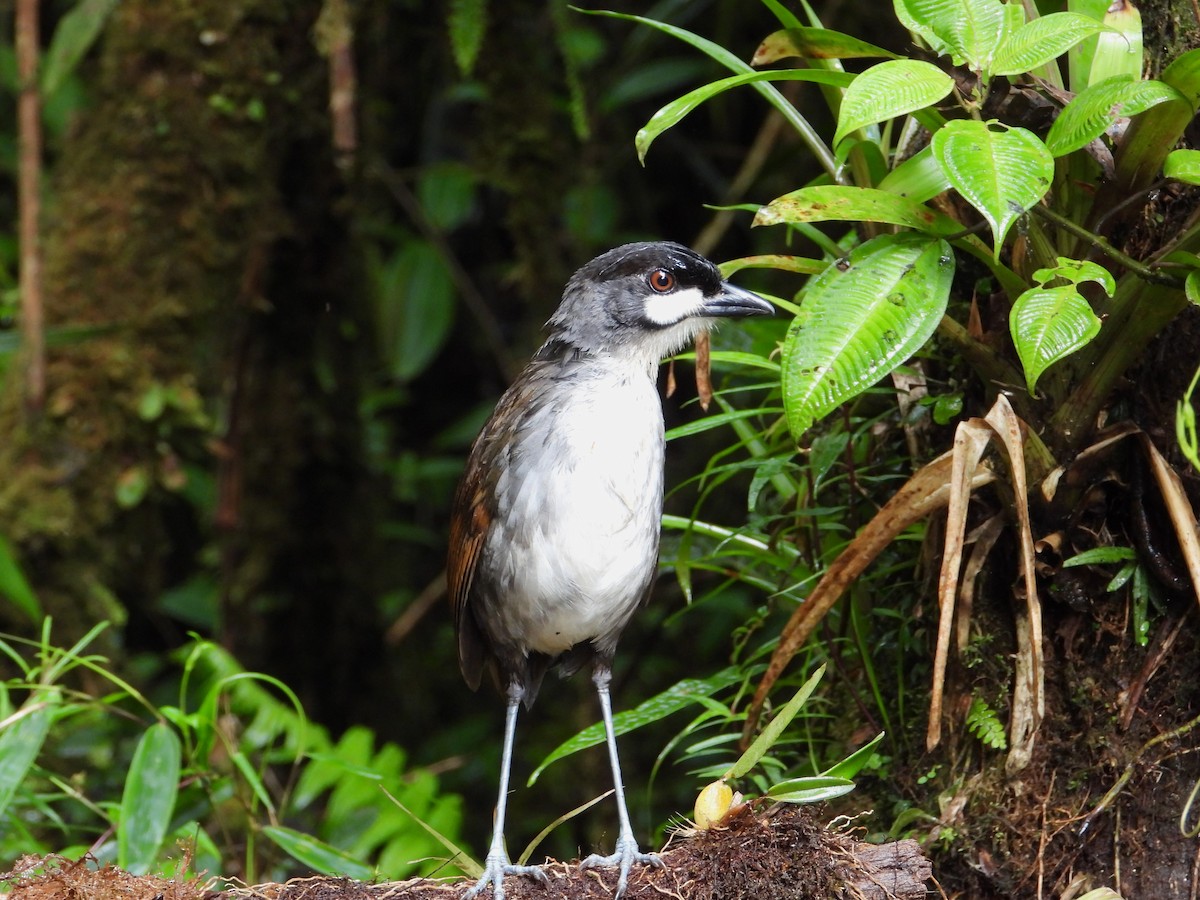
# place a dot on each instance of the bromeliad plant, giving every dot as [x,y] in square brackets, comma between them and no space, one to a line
[1022,151]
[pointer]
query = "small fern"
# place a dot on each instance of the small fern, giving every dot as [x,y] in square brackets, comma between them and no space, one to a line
[983,722]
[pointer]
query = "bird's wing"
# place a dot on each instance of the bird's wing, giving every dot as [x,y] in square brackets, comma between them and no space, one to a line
[473,510]
[468,528]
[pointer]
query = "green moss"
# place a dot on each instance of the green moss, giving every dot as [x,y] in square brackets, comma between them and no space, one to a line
[159,210]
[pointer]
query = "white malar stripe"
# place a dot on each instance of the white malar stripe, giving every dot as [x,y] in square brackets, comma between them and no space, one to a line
[667,309]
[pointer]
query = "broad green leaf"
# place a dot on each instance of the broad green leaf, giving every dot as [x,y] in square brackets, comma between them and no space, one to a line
[1183,74]
[414,300]
[1191,287]
[1144,148]
[842,203]
[919,178]
[316,854]
[675,698]
[671,114]
[1049,324]
[859,319]
[890,89]
[810,789]
[148,798]
[1078,271]
[1183,165]
[1092,111]
[770,735]
[1037,42]
[20,744]
[447,194]
[1080,56]
[1002,173]
[1119,48]
[969,31]
[13,585]
[77,30]
[813,43]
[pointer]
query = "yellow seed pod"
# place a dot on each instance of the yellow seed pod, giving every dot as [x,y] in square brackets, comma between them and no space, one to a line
[712,804]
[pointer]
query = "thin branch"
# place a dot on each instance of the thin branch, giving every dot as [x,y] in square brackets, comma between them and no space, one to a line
[474,301]
[29,139]
[1146,273]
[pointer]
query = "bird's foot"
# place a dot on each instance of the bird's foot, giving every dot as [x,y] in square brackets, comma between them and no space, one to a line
[496,868]
[625,856]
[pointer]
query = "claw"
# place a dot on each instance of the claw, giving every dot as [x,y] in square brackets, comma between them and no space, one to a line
[625,855]
[497,867]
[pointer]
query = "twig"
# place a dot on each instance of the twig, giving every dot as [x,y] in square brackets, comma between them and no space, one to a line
[29,138]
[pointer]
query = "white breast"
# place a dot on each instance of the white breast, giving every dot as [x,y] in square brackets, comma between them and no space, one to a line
[579,511]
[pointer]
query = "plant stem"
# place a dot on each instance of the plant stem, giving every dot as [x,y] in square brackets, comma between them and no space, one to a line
[1138,313]
[1146,273]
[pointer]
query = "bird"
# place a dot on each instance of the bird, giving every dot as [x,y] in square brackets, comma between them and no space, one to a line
[554,527]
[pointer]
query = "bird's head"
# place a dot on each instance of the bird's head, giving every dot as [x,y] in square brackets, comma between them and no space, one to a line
[647,301]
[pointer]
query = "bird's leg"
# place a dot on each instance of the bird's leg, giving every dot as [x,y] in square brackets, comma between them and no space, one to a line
[626,852]
[498,864]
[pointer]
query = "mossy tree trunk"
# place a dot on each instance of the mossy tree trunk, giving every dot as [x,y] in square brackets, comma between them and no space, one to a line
[176,226]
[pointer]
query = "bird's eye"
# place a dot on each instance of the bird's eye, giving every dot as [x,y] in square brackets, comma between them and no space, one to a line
[661,281]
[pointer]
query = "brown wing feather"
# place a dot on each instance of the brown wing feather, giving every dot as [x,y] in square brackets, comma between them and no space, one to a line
[468,528]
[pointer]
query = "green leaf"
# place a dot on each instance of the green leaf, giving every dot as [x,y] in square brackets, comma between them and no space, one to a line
[132,486]
[77,30]
[813,43]
[919,178]
[890,89]
[770,735]
[1119,50]
[1191,287]
[13,585]
[853,764]
[969,31]
[843,203]
[983,722]
[1096,108]
[715,51]
[316,854]
[1049,324]
[414,298]
[446,191]
[1037,42]
[1002,173]
[1078,271]
[20,744]
[675,698]
[1140,591]
[466,21]
[671,114]
[810,789]
[151,787]
[859,319]
[1144,148]
[1185,421]
[1100,556]
[707,423]
[1183,165]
